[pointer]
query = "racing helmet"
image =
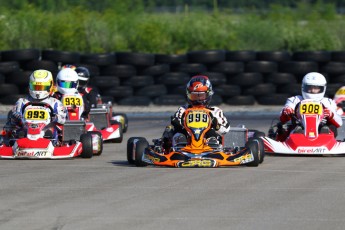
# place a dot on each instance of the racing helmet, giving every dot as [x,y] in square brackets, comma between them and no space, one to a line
[314,86]
[83,76]
[199,90]
[68,66]
[40,84]
[67,81]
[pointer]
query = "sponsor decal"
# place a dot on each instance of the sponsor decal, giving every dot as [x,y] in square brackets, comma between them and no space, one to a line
[245,158]
[315,150]
[31,153]
[197,163]
[152,158]
[110,129]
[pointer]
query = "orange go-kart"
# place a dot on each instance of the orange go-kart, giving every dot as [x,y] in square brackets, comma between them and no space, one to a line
[196,152]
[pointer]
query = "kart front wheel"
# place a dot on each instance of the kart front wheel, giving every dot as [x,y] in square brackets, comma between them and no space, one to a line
[130,150]
[261,148]
[98,139]
[86,141]
[253,146]
[140,147]
[122,118]
[120,138]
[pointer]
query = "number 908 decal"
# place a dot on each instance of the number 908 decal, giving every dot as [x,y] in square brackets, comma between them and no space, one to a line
[310,108]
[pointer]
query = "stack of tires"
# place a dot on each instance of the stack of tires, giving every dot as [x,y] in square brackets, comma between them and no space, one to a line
[125,78]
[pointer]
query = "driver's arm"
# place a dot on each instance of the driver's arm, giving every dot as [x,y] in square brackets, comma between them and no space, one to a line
[87,107]
[335,119]
[220,124]
[60,112]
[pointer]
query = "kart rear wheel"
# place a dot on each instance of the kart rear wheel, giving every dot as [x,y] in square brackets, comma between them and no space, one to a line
[130,150]
[140,147]
[261,148]
[256,133]
[254,148]
[100,141]
[123,120]
[86,141]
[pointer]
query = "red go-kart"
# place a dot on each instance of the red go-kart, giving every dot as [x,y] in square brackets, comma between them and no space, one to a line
[310,137]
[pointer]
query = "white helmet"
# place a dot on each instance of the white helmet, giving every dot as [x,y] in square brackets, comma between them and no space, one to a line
[40,84]
[314,86]
[67,81]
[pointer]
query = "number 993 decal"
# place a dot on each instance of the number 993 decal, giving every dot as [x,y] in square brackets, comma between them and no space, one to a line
[36,114]
[197,163]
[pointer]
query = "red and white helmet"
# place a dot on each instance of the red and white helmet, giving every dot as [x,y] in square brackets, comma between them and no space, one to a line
[199,90]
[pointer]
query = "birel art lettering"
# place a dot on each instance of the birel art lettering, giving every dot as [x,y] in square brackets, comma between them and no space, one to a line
[312,150]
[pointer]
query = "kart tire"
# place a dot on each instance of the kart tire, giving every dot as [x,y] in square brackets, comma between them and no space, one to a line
[261,147]
[140,147]
[256,133]
[86,141]
[125,120]
[254,148]
[130,143]
[120,138]
[101,142]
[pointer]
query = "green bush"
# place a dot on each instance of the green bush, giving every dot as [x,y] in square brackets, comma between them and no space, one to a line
[129,27]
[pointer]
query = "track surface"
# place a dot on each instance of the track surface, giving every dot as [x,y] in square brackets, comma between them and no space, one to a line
[106,193]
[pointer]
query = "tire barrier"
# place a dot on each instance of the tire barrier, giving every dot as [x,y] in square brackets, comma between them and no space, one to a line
[243,77]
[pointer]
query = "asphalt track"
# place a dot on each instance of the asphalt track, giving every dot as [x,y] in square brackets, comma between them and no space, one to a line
[106,193]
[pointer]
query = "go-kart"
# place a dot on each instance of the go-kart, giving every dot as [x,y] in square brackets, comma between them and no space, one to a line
[39,137]
[196,151]
[110,125]
[309,134]
[74,105]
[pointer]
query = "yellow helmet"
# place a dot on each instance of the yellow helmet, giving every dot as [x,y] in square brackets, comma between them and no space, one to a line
[41,83]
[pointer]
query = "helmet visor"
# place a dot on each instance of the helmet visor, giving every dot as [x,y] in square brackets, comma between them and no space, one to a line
[197,96]
[67,84]
[39,86]
[314,89]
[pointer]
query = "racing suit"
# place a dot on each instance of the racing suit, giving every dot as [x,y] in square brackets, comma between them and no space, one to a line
[14,119]
[86,106]
[175,131]
[333,122]
[90,95]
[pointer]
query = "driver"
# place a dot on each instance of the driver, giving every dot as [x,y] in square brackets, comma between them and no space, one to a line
[313,87]
[67,83]
[87,91]
[40,89]
[199,94]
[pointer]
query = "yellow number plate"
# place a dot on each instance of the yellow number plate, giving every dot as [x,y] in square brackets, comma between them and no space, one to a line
[72,100]
[197,119]
[310,108]
[36,114]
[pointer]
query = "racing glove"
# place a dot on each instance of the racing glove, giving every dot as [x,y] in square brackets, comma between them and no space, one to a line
[328,114]
[286,114]
[288,111]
